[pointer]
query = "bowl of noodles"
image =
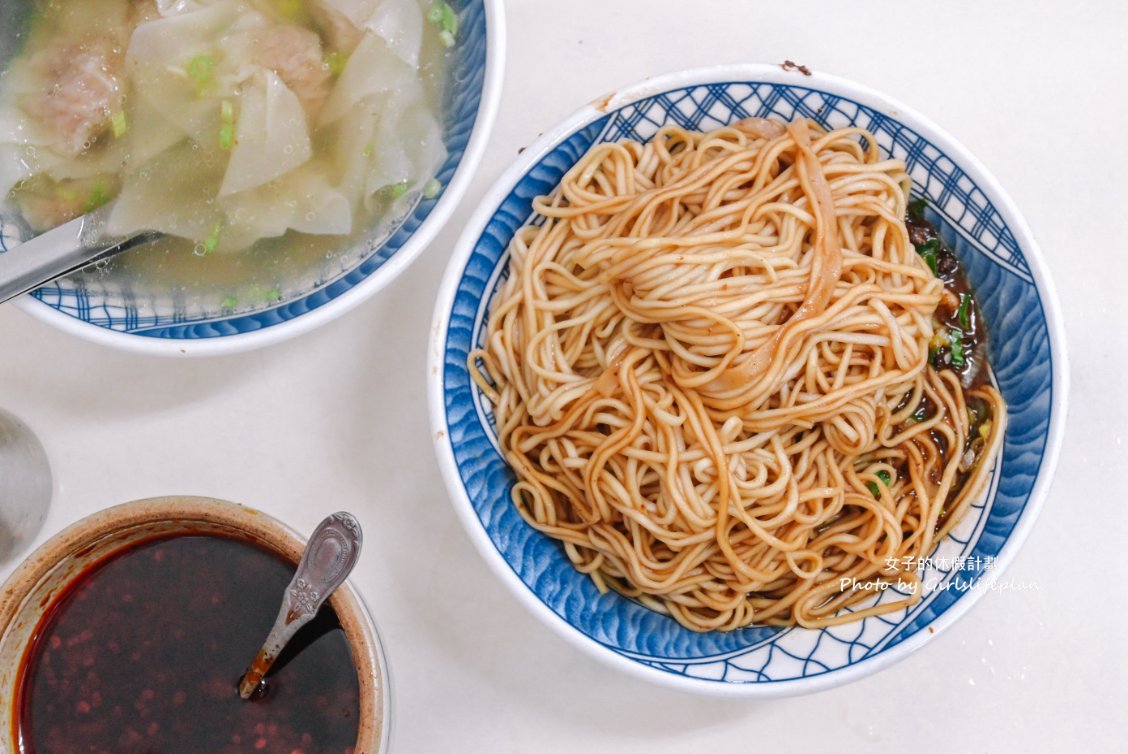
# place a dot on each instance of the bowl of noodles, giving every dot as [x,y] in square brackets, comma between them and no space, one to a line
[282,160]
[747,380]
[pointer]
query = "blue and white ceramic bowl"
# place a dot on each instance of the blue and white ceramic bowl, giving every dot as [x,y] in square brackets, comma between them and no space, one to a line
[110,312]
[1015,293]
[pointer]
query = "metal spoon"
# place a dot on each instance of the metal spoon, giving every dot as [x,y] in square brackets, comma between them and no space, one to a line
[59,252]
[329,556]
[25,485]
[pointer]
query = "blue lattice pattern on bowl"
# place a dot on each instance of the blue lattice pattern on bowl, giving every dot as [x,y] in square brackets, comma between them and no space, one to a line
[1012,304]
[158,317]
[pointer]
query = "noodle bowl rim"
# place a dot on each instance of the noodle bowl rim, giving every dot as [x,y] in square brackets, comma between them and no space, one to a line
[757,73]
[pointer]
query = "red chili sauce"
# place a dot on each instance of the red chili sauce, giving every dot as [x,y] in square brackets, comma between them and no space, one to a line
[143,652]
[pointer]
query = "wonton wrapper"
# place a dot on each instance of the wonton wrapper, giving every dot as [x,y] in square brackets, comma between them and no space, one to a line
[161,51]
[173,193]
[177,178]
[397,22]
[271,138]
[371,69]
[302,200]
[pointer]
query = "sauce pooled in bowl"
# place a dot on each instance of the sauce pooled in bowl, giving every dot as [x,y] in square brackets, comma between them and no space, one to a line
[143,651]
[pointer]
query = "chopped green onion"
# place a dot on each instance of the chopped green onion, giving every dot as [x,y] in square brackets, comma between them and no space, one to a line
[917,416]
[265,294]
[369,148]
[431,189]
[212,241]
[449,20]
[928,251]
[964,313]
[229,302]
[97,198]
[958,358]
[916,209]
[227,130]
[335,62]
[201,68]
[446,38]
[119,124]
[227,136]
[885,479]
[435,14]
[394,191]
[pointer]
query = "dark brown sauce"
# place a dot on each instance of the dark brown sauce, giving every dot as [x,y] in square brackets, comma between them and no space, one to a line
[142,653]
[957,315]
[969,326]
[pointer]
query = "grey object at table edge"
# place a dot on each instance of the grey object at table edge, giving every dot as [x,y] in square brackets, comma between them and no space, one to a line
[26,485]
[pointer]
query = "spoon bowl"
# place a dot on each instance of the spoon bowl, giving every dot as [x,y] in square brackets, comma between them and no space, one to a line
[25,485]
[329,557]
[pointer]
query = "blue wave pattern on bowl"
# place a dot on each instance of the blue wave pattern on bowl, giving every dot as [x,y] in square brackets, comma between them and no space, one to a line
[1020,353]
[462,95]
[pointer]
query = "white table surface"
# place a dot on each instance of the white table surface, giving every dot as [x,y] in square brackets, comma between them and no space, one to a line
[337,419]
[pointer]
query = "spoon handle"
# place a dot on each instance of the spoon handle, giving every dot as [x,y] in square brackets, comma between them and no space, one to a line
[329,556]
[66,249]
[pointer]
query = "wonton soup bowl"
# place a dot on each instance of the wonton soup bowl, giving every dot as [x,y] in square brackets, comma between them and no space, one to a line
[1026,337]
[32,588]
[179,324]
